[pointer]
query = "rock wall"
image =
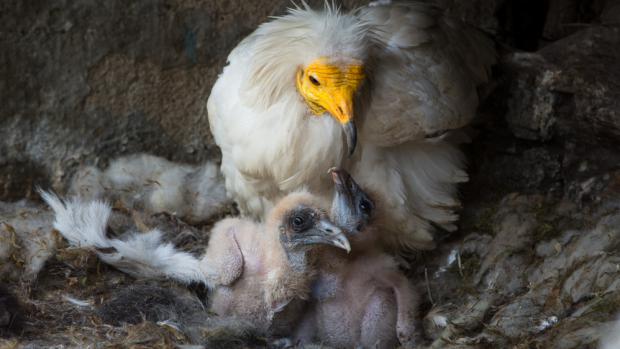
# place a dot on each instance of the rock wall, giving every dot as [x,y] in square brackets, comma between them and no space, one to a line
[535,262]
[85,81]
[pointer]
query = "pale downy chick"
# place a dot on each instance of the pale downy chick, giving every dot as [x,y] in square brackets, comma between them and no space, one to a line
[194,193]
[363,299]
[255,270]
[265,270]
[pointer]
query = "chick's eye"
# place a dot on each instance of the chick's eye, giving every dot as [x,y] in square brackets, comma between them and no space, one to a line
[298,222]
[365,206]
[313,80]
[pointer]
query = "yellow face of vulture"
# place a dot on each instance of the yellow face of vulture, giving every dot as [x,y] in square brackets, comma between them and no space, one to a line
[331,88]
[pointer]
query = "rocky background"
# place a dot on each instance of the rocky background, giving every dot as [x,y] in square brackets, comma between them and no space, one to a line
[536,263]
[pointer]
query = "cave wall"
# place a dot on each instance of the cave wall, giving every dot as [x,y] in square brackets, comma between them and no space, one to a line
[85,81]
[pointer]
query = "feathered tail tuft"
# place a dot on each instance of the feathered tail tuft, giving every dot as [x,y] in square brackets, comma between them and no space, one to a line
[143,255]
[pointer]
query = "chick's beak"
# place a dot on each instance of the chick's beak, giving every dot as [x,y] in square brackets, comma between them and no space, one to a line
[343,182]
[327,233]
[341,178]
[342,212]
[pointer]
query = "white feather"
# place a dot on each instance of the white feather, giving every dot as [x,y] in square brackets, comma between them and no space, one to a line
[423,72]
[76,302]
[89,183]
[610,333]
[145,255]
[209,193]
[195,193]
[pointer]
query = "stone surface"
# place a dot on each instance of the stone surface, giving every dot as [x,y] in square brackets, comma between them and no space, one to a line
[83,81]
[568,16]
[568,89]
[528,281]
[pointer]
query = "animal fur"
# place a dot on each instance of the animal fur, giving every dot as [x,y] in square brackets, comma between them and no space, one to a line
[142,181]
[361,299]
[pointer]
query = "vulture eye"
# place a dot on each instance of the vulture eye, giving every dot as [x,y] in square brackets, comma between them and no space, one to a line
[313,80]
[298,222]
[365,206]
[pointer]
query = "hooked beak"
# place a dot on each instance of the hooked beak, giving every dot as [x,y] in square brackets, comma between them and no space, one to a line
[340,107]
[350,132]
[327,233]
[331,87]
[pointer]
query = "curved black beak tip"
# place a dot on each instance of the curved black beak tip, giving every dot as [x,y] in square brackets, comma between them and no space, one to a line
[350,131]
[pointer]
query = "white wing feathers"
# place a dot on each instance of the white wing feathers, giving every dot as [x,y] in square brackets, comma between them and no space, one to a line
[143,255]
[416,181]
[425,69]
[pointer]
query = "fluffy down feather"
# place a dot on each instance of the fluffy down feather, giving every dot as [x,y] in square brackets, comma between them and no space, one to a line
[361,299]
[422,71]
[27,239]
[194,193]
[84,223]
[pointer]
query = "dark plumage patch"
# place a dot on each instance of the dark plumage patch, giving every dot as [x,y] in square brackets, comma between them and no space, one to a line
[136,303]
[301,219]
[152,303]
[10,314]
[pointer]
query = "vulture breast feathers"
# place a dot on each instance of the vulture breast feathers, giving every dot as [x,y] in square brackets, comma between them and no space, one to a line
[381,91]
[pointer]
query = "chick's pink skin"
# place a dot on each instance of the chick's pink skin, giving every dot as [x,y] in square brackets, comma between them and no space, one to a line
[360,299]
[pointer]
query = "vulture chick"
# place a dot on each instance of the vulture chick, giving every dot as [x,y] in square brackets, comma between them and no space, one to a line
[363,299]
[262,268]
[375,91]
[254,270]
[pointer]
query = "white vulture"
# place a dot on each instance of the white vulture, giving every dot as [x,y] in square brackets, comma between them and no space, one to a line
[373,91]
